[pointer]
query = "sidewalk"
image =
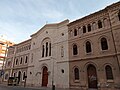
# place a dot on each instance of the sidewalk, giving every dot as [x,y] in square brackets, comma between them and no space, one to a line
[48,88]
[39,88]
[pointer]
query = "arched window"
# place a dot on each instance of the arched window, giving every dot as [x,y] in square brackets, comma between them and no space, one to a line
[119,15]
[94,25]
[62,51]
[88,47]
[89,27]
[105,22]
[26,59]
[75,32]
[49,49]
[21,60]
[9,63]
[109,74]
[99,24]
[104,44]
[75,51]
[76,73]
[31,57]
[29,47]
[46,49]
[79,30]
[24,76]
[16,61]
[84,29]
[14,74]
[43,50]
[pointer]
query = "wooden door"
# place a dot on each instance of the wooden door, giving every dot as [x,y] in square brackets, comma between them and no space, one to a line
[45,76]
[92,76]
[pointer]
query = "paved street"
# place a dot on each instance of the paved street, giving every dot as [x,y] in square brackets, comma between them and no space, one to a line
[4,87]
[17,88]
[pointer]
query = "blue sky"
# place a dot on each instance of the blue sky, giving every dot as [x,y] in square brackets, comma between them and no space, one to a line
[21,18]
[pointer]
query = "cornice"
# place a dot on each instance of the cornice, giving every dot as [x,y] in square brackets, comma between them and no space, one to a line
[20,67]
[96,15]
[92,58]
[24,42]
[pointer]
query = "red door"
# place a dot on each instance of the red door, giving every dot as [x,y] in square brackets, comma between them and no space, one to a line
[45,76]
[92,76]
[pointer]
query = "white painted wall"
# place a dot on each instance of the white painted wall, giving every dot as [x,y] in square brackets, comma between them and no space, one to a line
[57,40]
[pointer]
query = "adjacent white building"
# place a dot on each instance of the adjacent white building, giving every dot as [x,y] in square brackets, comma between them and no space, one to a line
[47,58]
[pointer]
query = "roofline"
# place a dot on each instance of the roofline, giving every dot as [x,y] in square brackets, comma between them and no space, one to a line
[53,24]
[114,4]
[23,42]
[85,17]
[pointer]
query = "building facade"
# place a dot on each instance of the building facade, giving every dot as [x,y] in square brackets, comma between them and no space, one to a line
[81,54]
[17,61]
[94,49]
[4,43]
[49,56]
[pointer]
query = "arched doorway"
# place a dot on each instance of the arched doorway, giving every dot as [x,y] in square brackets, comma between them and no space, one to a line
[45,76]
[19,76]
[92,76]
